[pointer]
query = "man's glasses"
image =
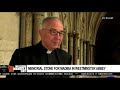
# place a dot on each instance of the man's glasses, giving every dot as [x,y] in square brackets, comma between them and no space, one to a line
[54,32]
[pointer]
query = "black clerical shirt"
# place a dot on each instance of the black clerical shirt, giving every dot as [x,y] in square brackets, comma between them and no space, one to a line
[36,55]
[48,59]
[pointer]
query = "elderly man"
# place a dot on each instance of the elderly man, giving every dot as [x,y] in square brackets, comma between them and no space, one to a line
[46,52]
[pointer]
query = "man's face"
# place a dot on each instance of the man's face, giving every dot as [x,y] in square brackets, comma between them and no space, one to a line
[52,34]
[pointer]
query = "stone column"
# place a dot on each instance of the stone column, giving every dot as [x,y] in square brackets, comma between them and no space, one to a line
[70,44]
[75,47]
[38,17]
[92,54]
[88,53]
[65,23]
[84,52]
[22,30]
[81,52]
[28,29]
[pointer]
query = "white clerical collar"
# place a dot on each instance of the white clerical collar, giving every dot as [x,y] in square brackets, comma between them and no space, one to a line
[49,52]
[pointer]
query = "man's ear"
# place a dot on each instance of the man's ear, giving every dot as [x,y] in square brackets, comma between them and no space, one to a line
[40,32]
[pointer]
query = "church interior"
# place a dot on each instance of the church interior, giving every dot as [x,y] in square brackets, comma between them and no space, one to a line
[92,38]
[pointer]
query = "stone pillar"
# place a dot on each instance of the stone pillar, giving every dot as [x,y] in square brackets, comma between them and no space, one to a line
[84,52]
[88,53]
[64,44]
[22,30]
[28,29]
[75,47]
[81,52]
[38,17]
[92,54]
[70,44]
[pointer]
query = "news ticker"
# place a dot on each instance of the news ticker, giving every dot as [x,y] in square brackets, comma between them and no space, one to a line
[89,70]
[60,70]
[62,73]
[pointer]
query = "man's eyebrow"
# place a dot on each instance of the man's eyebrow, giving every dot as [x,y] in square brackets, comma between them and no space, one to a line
[56,30]
[53,29]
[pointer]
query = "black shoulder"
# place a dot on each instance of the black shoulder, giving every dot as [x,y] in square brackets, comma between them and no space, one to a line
[63,52]
[64,56]
[20,54]
[28,49]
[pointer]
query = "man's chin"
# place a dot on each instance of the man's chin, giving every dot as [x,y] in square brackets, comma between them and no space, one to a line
[55,47]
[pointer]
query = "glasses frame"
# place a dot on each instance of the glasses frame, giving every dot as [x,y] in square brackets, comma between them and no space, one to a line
[55,32]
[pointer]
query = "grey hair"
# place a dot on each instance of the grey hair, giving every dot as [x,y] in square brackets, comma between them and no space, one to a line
[48,18]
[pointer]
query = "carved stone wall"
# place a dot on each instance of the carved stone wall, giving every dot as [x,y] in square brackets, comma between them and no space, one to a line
[21,30]
[9,35]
